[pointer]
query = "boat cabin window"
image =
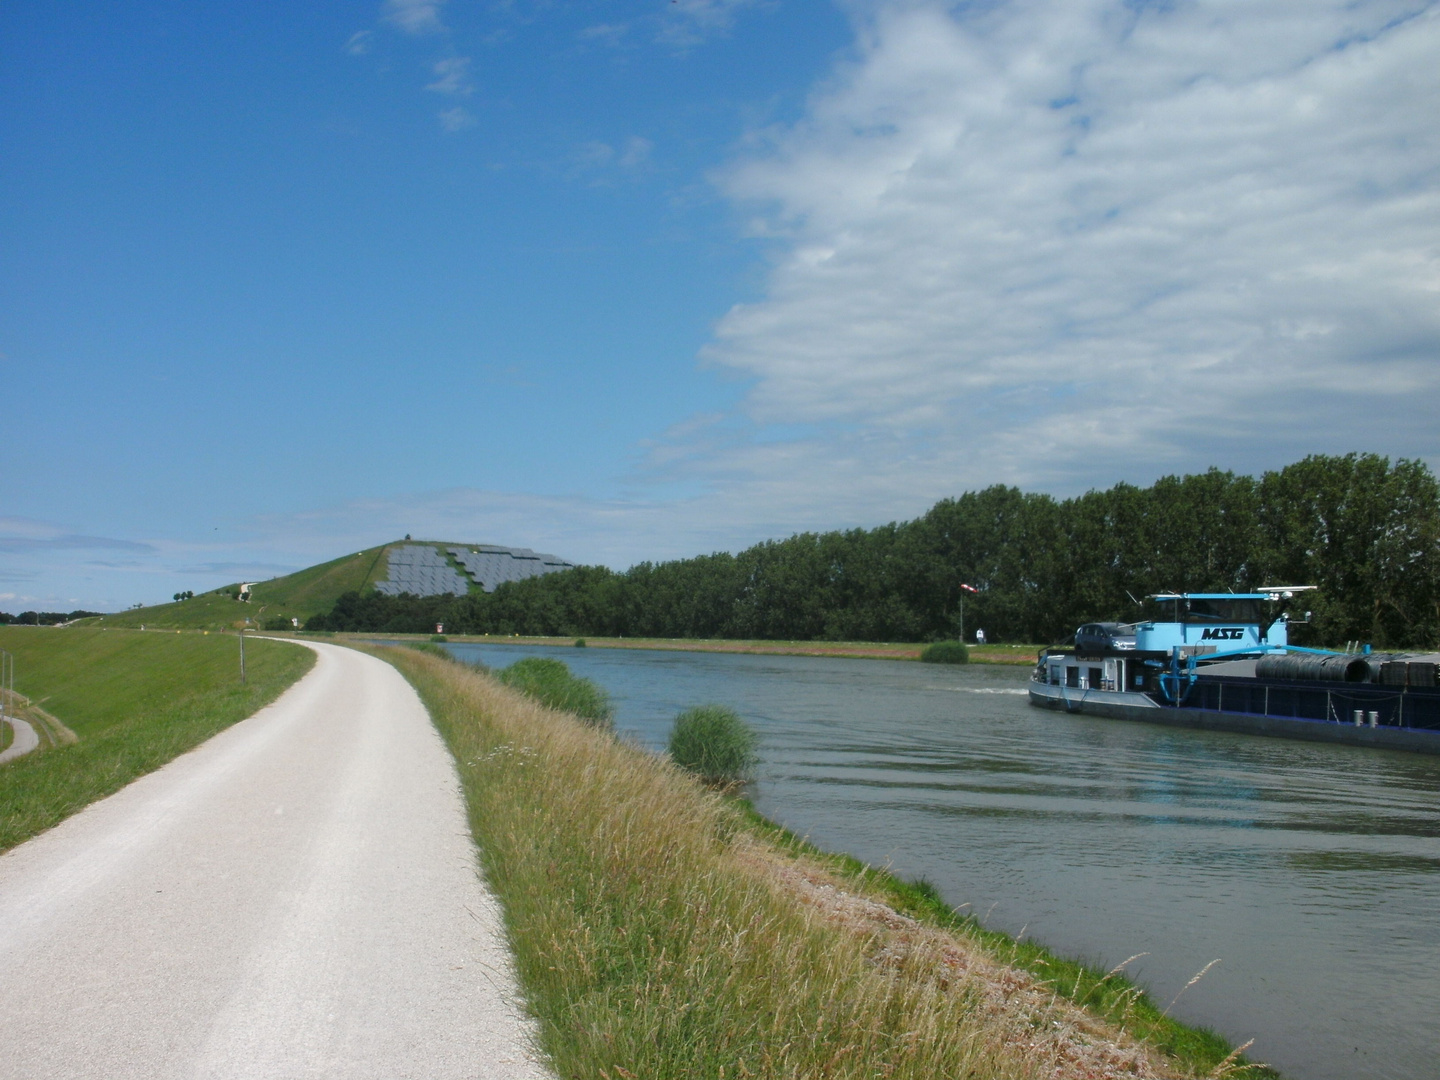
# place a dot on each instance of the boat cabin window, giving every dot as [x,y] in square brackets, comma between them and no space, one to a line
[1097,678]
[1072,676]
[1229,611]
[1208,611]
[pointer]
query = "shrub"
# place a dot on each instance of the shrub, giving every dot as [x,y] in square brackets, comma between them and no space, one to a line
[438,637]
[551,683]
[579,643]
[431,648]
[277,622]
[712,742]
[946,652]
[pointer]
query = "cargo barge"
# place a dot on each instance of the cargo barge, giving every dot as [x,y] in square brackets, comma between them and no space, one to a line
[1223,662]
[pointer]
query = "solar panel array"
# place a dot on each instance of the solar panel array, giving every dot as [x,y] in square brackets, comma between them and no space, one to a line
[422,570]
[490,565]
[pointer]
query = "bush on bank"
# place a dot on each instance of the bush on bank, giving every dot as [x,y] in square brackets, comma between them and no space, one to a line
[712,742]
[945,652]
[553,684]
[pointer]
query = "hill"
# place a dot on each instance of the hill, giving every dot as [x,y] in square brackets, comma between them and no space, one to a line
[418,567]
[298,595]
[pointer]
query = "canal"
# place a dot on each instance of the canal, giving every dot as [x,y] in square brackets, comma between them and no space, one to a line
[1310,872]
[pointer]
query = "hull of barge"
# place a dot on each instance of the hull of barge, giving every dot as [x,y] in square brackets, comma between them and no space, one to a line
[1119,705]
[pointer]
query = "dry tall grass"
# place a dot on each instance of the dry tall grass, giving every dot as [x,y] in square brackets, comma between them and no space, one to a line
[657,936]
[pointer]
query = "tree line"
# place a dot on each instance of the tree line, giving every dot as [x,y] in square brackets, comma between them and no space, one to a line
[43,618]
[1363,529]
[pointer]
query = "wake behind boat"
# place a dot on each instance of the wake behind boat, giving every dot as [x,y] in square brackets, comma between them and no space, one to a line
[1223,661]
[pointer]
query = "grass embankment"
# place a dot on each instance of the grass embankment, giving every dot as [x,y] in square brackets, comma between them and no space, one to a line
[865,650]
[662,930]
[299,595]
[112,705]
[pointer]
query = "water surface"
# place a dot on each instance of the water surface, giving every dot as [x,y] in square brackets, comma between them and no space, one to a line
[1312,872]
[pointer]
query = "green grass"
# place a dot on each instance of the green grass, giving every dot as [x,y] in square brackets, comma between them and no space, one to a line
[659,930]
[299,595]
[1010,654]
[135,700]
[714,743]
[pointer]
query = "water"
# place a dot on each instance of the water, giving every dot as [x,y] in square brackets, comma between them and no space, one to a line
[1311,872]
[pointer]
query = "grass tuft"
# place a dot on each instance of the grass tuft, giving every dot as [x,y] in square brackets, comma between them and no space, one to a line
[945,652]
[553,684]
[925,890]
[715,744]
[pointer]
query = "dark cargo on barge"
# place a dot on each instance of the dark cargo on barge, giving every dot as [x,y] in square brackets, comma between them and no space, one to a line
[1224,662]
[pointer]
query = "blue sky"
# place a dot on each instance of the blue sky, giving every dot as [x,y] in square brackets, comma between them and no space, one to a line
[627,281]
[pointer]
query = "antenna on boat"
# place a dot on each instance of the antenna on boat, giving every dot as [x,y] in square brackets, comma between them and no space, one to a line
[1132,598]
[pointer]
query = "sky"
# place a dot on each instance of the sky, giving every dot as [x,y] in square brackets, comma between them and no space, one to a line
[627,281]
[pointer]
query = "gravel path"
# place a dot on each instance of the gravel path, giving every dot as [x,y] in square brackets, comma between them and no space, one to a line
[26,739]
[298,897]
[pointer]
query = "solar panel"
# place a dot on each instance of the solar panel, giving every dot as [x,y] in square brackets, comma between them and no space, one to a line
[421,570]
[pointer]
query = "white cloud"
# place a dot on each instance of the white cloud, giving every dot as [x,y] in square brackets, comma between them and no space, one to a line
[636,153]
[359,42]
[594,154]
[51,560]
[689,22]
[456,119]
[616,532]
[1057,242]
[602,160]
[25,535]
[415,16]
[452,76]
[611,34]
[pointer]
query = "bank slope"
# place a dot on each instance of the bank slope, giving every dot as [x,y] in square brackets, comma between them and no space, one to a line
[659,932]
